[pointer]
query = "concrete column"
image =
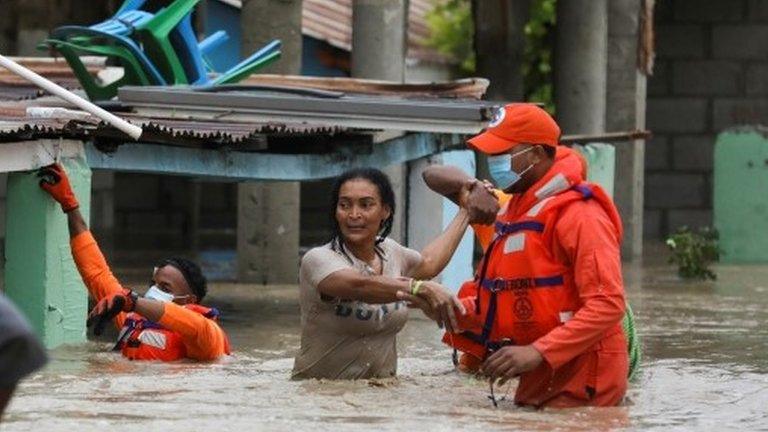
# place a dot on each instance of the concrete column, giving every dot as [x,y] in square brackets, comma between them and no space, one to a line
[580,65]
[500,45]
[428,208]
[33,26]
[378,52]
[268,213]
[625,110]
[41,277]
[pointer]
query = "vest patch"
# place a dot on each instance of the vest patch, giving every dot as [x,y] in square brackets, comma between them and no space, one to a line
[152,338]
[555,185]
[514,243]
[534,211]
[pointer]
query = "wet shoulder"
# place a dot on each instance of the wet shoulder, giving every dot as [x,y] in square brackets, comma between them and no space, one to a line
[402,259]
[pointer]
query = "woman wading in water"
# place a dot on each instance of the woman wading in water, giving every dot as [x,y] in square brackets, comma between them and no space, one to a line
[350,309]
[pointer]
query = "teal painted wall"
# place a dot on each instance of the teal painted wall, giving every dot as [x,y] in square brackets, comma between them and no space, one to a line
[741,195]
[40,274]
[601,159]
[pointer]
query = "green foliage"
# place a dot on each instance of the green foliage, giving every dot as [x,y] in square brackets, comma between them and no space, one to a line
[452,32]
[693,252]
[537,57]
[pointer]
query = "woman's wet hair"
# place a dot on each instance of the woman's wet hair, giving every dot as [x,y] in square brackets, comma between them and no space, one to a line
[384,186]
[192,273]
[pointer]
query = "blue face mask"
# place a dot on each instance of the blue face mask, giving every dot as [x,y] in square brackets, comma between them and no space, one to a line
[500,167]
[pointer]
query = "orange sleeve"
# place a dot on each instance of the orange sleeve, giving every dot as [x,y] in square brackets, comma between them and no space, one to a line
[485,233]
[94,269]
[202,337]
[585,237]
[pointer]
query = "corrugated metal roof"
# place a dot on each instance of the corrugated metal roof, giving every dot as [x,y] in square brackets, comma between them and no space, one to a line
[173,131]
[331,21]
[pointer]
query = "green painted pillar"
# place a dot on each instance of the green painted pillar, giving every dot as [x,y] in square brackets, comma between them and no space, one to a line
[601,159]
[740,195]
[40,274]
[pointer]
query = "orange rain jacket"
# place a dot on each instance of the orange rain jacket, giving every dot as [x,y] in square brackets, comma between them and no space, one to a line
[585,357]
[194,335]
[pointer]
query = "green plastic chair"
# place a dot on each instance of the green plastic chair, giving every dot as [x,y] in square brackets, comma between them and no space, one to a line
[240,74]
[133,72]
[154,36]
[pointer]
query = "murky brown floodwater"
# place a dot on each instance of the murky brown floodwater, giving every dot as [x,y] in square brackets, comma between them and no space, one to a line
[705,367]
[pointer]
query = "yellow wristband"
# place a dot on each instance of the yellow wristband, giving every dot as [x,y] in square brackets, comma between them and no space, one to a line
[415,286]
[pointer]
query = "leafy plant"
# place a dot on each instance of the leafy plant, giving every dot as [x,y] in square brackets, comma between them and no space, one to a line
[452,31]
[537,56]
[693,252]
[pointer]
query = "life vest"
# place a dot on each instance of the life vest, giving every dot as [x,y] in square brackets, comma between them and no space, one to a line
[521,290]
[142,339]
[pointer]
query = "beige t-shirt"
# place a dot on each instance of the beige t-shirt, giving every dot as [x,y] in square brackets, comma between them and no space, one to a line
[343,339]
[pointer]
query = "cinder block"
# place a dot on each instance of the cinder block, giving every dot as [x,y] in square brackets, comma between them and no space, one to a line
[757,79]
[657,153]
[659,83]
[671,190]
[693,219]
[680,41]
[735,112]
[693,152]
[699,78]
[684,115]
[757,10]
[652,224]
[709,10]
[746,42]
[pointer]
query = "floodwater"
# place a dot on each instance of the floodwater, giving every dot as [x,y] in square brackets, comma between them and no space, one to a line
[705,367]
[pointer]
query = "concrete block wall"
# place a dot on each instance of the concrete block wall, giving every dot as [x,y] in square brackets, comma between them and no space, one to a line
[711,73]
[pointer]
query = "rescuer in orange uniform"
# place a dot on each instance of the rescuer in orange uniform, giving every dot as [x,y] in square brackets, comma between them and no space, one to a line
[168,323]
[547,300]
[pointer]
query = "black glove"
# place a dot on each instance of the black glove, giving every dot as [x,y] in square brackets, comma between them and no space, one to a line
[108,308]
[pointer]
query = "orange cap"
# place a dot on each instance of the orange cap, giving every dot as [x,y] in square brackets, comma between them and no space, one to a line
[517,123]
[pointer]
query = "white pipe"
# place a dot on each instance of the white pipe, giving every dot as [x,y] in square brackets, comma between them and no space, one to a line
[132,130]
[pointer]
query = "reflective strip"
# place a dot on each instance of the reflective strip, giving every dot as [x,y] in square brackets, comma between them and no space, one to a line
[514,243]
[566,316]
[501,284]
[555,185]
[152,338]
[535,210]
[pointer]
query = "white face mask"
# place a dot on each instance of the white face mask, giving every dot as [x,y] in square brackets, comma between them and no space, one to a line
[155,293]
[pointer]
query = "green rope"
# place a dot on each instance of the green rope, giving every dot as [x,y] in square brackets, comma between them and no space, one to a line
[633,343]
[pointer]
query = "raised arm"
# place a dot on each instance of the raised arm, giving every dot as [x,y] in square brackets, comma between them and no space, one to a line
[112,299]
[449,181]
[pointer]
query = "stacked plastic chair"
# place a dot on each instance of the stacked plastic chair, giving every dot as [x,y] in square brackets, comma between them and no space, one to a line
[152,48]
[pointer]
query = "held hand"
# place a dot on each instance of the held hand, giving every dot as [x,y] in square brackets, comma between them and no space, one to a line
[479,201]
[444,304]
[54,180]
[108,308]
[417,302]
[510,361]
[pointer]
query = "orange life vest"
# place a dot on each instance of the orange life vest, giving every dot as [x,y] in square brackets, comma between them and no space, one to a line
[142,339]
[521,290]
